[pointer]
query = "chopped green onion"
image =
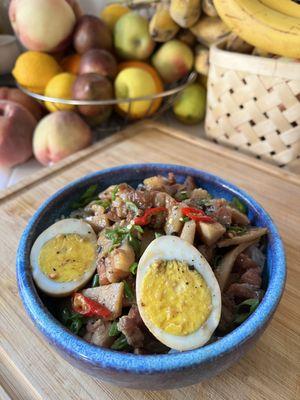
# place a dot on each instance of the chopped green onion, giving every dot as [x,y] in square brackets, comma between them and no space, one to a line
[114,192]
[249,305]
[120,343]
[131,206]
[128,291]
[182,195]
[88,196]
[104,203]
[157,235]
[131,233]
[239,230]
[184,219]
[133,268]
[113,330]
[72,320]
[95,281]
[90,191]
[239,205]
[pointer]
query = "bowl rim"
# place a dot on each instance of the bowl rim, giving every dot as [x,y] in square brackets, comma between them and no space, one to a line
[99,357]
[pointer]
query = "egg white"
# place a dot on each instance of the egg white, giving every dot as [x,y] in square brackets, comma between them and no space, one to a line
[173,248]
[63,227]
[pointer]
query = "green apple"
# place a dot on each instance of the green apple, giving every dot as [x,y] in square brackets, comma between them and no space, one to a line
[132,39]
[189,107]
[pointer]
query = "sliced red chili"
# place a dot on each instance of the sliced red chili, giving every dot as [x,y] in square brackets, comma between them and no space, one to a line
[145,219]
[191,210]
[88,307]
[196,215]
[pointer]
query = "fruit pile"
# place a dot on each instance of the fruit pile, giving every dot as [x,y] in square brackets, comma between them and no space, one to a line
[122,54]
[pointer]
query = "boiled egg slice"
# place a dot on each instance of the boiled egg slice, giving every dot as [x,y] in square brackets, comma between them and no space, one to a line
[63,257]
[178,296]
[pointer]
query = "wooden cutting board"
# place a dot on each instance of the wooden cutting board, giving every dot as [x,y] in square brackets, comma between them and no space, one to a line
[31,369]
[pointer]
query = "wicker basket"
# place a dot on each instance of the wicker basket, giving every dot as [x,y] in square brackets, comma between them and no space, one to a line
[253,105]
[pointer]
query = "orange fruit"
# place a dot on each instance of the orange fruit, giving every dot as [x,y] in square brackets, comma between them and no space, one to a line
[71,64]
[152,71]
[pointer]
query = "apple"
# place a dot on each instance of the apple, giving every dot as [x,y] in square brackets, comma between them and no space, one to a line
[189,106]
[173,60]
[100,62]
[132,39]
[134,82]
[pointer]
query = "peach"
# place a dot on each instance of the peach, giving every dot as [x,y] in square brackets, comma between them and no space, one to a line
[59,135]
[16,130]
[173,60]
[19,97]
[43,25]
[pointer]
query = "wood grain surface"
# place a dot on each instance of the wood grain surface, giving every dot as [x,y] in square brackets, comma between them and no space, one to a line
[31,369]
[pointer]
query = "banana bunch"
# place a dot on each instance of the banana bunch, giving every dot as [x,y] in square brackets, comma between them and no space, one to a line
[269,25]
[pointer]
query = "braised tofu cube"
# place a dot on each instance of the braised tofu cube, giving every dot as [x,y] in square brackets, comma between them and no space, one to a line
[110,296]
[210,233]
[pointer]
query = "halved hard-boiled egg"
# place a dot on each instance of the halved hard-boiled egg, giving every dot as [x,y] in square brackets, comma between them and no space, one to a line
[178,295]
[63,257]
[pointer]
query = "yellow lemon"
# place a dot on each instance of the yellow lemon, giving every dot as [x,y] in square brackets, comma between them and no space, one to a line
[111,13]
[34,69]
[60,86]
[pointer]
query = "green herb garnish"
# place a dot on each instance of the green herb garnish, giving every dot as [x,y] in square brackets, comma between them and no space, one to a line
[131,233]
[104,203]
[95,281]
[184,219]
[131,206]
[120,343]
[128,291]
[88,196]
[182,195]
[72,320]
[204,202]
[113,330]
[239,205]
[245,309]
[238,230]
[114,192]
[157,235]
[133,268]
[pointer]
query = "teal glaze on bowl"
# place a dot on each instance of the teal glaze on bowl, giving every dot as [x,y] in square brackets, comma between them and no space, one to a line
[166,371]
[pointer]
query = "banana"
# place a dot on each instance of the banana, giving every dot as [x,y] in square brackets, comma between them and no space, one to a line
[288,7]
[162,27]
[209,29]
[209,8]
[261,26]
[185,12]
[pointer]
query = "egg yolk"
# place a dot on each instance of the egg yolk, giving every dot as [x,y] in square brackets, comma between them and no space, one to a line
[175,297]
[66,258]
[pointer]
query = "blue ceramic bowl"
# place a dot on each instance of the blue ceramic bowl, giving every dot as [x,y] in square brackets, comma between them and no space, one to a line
[150,371]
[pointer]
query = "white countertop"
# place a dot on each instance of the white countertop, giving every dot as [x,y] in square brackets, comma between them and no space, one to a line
[10,176]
